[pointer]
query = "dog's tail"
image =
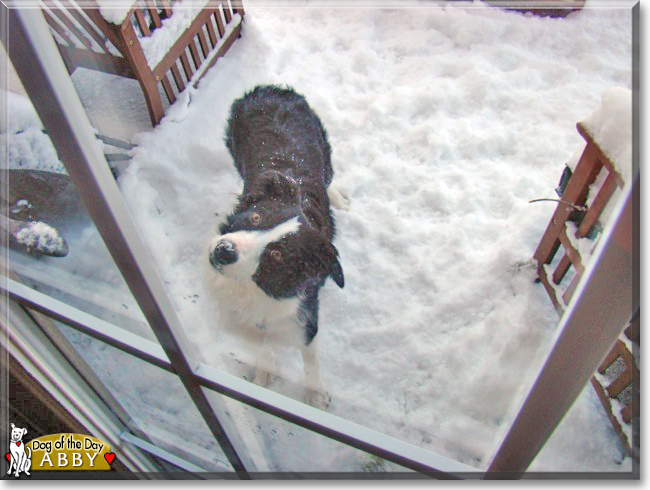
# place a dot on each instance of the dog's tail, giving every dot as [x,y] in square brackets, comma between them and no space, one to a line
[29,456]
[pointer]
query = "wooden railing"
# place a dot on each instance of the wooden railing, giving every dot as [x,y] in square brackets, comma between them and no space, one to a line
[572,209]
[86,39]
[617,380]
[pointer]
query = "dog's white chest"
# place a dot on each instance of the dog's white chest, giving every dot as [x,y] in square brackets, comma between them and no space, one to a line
[245,306]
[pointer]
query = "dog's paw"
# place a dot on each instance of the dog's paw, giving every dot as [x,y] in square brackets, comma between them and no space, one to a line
[338,200]
[318,399]
[263,378]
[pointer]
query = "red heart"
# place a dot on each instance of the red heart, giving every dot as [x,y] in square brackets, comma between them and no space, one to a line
[109,457]
[8,456]
[18,443]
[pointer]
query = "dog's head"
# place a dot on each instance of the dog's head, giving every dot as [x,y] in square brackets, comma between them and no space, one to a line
[17,433]
[282,259]
[270,200]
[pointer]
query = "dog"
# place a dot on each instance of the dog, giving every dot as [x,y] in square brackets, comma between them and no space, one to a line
[274,251]
[21,460]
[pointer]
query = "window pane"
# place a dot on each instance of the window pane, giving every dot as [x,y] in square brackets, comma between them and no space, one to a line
[154,399]
[586,416]
[279,446]
[444,124]
[50,242]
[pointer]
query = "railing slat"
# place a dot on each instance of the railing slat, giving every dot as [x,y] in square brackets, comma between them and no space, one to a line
[187,67]
[142,23]
[598,205]
[153,12]
[211,33]
[203,42]
[167,87]
[178,79]
[220,27]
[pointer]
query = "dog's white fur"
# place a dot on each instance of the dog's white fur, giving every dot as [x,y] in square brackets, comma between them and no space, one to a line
[264,321]
[20,460]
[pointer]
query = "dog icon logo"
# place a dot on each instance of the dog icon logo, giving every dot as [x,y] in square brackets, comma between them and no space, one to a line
[19,458]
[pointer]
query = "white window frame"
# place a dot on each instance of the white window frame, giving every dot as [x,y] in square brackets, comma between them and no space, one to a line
[551,394]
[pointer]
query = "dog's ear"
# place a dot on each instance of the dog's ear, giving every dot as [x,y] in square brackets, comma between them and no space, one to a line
[337,271]
[337,274]
[13,426]
[24,431]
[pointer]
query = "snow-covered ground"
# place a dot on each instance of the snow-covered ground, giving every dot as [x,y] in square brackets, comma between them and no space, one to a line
[444,121]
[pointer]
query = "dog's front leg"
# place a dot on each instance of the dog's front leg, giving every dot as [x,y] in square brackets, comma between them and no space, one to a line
[265,363]
[316,395]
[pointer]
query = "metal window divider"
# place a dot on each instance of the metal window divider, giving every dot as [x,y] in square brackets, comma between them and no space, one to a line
[43,74]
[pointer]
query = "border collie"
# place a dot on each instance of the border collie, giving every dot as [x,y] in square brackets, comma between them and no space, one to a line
[274,251]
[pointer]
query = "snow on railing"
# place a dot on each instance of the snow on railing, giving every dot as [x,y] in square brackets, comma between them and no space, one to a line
[115,11]
[160,40]
[588,196]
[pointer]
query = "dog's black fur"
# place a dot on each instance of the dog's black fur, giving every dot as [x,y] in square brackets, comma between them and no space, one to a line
[281,151]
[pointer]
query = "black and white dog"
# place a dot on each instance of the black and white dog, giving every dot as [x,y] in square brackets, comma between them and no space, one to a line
[274,251]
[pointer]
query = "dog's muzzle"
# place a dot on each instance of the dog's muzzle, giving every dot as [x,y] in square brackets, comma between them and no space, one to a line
[224,253]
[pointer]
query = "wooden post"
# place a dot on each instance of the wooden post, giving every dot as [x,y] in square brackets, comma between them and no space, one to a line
[135,56]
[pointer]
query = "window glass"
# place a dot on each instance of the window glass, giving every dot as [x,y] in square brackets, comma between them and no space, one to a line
[49,241]
[444,123]
[567,439]
[154,399]
[279,446]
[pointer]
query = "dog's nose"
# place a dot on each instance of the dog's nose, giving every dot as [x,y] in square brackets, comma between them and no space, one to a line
[224,253]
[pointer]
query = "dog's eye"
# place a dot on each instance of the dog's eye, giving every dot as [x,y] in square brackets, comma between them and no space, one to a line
[276,255]
[255,218]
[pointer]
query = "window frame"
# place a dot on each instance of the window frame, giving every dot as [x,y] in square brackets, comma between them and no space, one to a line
[52,93]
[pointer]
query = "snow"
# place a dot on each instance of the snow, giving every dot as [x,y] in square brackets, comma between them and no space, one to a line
[611,126]
[23,141]
[444,122]
[585,246]
[617,407]
[41,237]
[156,46]
[115,11]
